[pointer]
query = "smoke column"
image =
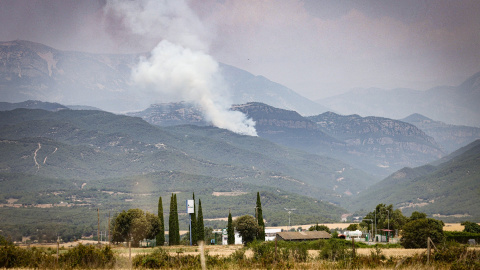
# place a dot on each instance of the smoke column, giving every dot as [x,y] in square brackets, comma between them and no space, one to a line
[179,65]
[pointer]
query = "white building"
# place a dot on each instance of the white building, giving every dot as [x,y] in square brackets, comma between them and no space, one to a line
[270,235]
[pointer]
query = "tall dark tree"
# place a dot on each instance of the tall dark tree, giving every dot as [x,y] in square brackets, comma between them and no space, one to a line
[230,230]
[260,222]
[173,230]
[200,226]
[161,234]
[171,239]
[177,225]
[194,222]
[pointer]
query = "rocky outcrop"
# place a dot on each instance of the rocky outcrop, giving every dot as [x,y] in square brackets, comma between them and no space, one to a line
[171,114]
[267,117]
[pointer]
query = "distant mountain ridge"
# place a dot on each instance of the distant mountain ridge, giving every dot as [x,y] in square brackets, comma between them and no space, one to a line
[454,105]
[379,145]
[32,104]
[450,137]
[33,71]
[93,145]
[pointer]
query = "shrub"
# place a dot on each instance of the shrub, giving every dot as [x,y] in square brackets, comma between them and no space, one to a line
[462,237]
[12,256]
[335,249]
[88,256]
[416,232]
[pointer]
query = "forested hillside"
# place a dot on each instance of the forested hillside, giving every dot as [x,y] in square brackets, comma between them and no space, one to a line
[449,190]
[57,162]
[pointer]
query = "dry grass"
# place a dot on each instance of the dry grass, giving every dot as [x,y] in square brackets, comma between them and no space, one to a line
[393,252]
[453,227]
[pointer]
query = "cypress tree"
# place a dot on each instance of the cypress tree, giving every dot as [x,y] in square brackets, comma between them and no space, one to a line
[230,230]
[171,222]
[261,224]
[200,226]
[194,222]
[161,235]
[177,227]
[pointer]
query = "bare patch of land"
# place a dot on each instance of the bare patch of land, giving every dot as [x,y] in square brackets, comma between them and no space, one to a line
[232,193]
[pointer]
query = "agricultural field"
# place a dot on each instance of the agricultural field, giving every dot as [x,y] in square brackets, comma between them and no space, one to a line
[324,254]
[320,254]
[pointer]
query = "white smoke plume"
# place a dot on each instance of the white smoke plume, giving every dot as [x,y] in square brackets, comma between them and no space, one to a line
[179,66]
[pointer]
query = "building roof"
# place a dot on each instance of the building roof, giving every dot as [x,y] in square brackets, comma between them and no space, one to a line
[303,236]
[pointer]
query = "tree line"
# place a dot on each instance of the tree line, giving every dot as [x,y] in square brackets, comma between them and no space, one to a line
[135,225]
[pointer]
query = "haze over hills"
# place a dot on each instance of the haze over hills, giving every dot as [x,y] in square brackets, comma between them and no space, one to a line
[32,104]
[32,71]
[378,145]
[383,142]
[449,190]
[93,145]
[324,157]
[454,105]
[91,158]
[449,137]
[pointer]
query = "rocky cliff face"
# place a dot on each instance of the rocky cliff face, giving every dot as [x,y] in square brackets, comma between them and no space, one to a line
[391,143]
[268,117]
[365,130]
[375,144]
[171,114]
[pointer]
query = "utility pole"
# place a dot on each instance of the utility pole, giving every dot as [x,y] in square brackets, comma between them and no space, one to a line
[98,226]
[388,220]
[372,228]
[289,212]
[108,239]
[388,226]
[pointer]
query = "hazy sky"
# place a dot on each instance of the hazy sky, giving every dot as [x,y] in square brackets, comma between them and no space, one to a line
[318,48]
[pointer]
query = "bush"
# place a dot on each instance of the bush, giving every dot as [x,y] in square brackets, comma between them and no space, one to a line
[159,258]
[287,253]
[88,256]
[416,232]
[462,237]
[335,249]
[15,257]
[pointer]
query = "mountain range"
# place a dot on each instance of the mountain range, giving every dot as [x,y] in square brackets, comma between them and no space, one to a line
[449,137]
[33,71]
[90,145]
[377,145]
[67,151]
[457,105]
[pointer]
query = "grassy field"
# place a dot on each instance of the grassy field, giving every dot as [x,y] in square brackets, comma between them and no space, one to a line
[323,254]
